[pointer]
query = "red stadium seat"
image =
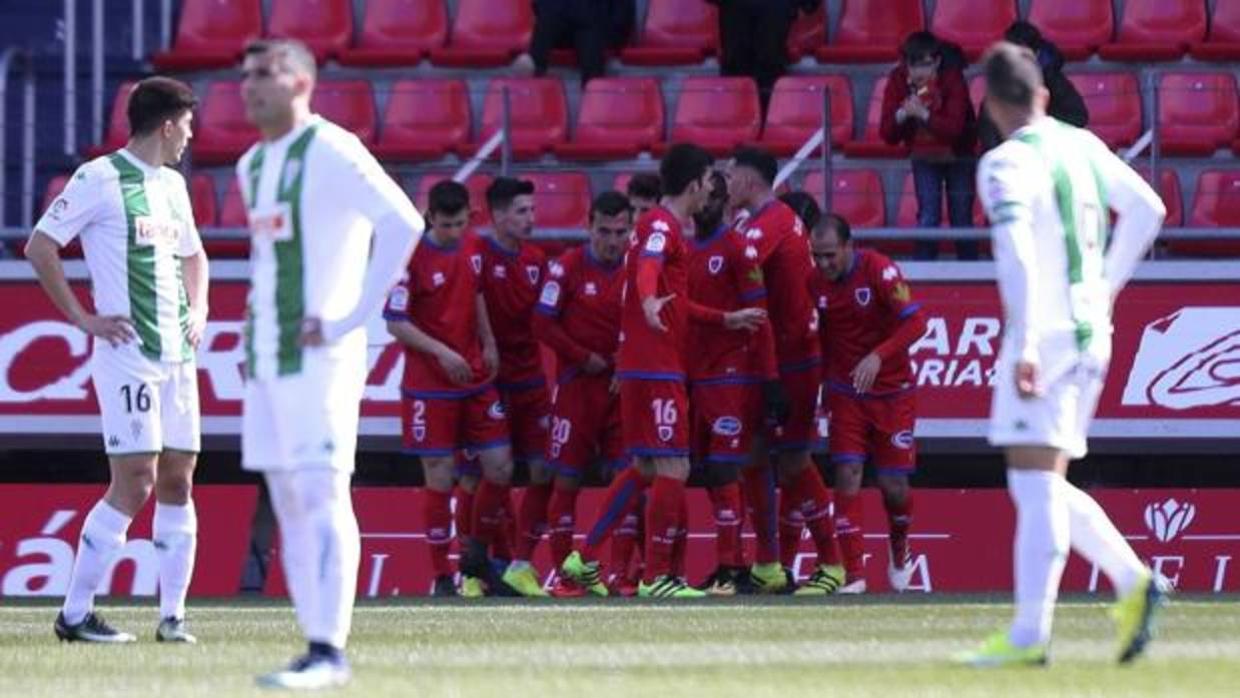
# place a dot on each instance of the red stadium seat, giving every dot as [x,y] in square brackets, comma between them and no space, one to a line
[807,34]
[1157,30]
[211,34]
[1077,27]
[223,133]
[717,114]
[539,113]
[619,118]
[872,144]
[676,32]
[971,24]
[424,120]
[325,26]
[795,111]
[561,199]
[1198,112]
[349,104]
[871,31]
[1223,43]
[398,32]
[1114,102]
[486,33]
[202,198]
[1216,204]
[857,195]
[232,210]
[118,124]
[476,184]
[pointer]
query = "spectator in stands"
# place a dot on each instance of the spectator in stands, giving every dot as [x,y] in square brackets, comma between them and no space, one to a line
[1066,103]
[927,106]
[589,26]
[754,35]
[644,191]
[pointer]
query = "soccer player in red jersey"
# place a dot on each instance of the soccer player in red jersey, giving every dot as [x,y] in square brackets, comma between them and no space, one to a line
[578,317]
[644,191]
[774,230]
[869,322]
[448,400]
[513,270]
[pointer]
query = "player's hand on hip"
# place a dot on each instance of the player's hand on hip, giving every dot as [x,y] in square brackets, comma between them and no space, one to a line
[865,372]
[652,307]
[1027,380]
[594,364]
[113,329]
[455,366]
[745,319]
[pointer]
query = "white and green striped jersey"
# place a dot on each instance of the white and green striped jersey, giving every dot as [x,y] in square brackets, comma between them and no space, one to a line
[136,224]
[312,197]
[1049,191]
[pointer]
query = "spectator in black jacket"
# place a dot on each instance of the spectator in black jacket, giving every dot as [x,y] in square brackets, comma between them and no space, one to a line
[589,26]
[754,38]
[1066,103]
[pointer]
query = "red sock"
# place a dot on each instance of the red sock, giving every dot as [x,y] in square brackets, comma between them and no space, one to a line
[532,519]
[815,504]
[791,525]
[562,517]
[437,523]
[899,519]
[624,544]
[490,500]
[505,539]
[662,525]
[681,544]
[726,501]
[621,499]
[464,514]
[759,486]
[848,528]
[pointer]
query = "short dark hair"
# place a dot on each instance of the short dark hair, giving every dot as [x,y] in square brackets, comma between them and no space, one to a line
[759,161]
[804,206]
[919,46]
[1025,34]
[838,223]
[503,190]
[1013,76]
[683,165]
[645,185]
[295,51]
[156,100]
[448,197]
[610,203]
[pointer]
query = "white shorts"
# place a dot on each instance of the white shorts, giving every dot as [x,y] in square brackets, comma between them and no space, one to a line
[1059,418]
[304,419]
[146,405]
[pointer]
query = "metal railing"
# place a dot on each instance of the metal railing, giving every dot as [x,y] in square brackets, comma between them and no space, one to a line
[11,58]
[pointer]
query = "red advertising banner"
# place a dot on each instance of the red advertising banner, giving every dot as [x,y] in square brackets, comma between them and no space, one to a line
[961,540]
[41,523]
[1177,349]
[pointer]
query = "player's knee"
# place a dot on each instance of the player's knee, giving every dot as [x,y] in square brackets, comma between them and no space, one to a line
[438,473]
[130,488]
[540,472]
[173,489]
[848,478]
[567,482]
[722,474]
[895,488]
[497,470]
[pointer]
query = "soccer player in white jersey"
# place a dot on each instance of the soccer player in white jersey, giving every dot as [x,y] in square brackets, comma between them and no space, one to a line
[1048,190]
[330,234]
[148,272]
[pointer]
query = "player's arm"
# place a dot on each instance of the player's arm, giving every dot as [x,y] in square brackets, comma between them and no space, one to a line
[195,273]
[1141,214]
[413,337]
[490,350]
[556,294]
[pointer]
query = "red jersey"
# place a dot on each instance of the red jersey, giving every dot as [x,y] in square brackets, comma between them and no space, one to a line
[438,294]
[580,302]
[724,275]
[865,311]
[783,251]
[510,284]
[654,265]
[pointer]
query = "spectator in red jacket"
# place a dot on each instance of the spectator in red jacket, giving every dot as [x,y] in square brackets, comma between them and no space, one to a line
[926,106]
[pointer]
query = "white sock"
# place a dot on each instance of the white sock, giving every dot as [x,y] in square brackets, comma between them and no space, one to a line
[1041,550]
[1097,540]
[175,531]
[103,534]
[298,548]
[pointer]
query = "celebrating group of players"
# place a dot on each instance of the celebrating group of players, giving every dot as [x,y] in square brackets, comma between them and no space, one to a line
[696,328]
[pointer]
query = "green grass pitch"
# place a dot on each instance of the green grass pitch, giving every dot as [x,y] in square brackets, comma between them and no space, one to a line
[748,648]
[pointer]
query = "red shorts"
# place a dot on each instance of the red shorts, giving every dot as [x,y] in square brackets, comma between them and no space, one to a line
[528,411]
[585,424]
[438,426]
[880,428]
[800,432]
[655,418]
[725,418]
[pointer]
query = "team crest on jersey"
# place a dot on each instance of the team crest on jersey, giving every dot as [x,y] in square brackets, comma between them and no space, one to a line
[665,433]
[496,411]
[532,272]
[863,296]
[715,264]
[591,289]
[499,272]
[438,279]
[419,433]
[476,261]
[902,440]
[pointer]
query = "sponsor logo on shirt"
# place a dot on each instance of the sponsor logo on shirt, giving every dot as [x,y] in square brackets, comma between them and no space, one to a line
[152,231]
[496,411]
[499,272]
[902,440]
[863,296]
[437,279]
[727,426]
[714,264]
[890,273]
[591,289]
[272,223]
[532,272]
[555,269]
